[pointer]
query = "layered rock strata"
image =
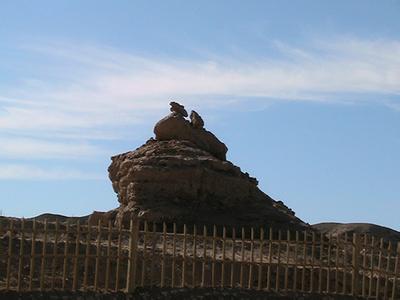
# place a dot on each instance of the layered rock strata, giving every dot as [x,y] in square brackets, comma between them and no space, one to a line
[182,176]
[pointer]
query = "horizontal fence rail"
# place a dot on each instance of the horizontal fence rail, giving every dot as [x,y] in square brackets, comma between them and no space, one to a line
[61,256]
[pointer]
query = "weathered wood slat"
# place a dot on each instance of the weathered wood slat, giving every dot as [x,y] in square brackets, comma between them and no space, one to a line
[183,277]
[250,281]
[223,257]
[378,278]
[164,250]
[204,257]
[173,256]
[396,271]
[65,260]
[242,260]
[233,241]
[145,258]
[270,239]
[21,255]
[76,257]
[303,273]
[55,254]
[43,258]
[260,262]
[87,256]
[98,253]
[194,256]
[133,241]
[32,260]
[108,260]
[119,250]
[214,256]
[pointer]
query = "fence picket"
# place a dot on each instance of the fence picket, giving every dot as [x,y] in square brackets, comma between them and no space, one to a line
[378,278]
[65,260]
[250,281]
[223,257]
[260,262]
[233,240]
[76,257]
[344,289]
[97,263]
[242,259]
[43,257]
[364,265]
[87,256]
[32,260]
[133,239]
[270,238]
[328,274]
[214,255]
[312,263]
[144,254]
[203,265]
[396,272]
[164,250]
[183,282]
[320,264]
[21,255]
[108,260]
[371,277]
[278,261]
[285,285]
[389,252]
[119,248]
[303,273]
[55,254]
[355,267]
[194,255]
[173,256]
[9,256]
[296,247]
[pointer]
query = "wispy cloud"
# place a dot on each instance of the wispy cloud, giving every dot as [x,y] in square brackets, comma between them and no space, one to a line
[20,172]
[40,148]
[91,92]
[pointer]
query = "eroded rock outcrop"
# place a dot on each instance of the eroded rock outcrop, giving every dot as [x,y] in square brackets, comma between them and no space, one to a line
[182,176]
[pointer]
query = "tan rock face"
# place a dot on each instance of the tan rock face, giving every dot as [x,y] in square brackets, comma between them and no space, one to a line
[183,176]
[176,127]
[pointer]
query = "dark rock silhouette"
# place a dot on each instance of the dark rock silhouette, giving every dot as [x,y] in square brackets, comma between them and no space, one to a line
[182,176]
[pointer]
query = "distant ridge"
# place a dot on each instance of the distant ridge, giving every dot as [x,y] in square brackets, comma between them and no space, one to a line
[378,231]
[60,218]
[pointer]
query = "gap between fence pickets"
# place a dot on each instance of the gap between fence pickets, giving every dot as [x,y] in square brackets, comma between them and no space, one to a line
[378,278]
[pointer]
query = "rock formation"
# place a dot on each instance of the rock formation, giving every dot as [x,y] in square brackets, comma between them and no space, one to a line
[183,176]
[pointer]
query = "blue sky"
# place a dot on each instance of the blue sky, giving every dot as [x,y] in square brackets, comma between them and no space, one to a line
[306,95]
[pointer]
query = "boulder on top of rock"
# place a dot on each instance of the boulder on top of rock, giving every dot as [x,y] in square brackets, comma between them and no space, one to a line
[176,127]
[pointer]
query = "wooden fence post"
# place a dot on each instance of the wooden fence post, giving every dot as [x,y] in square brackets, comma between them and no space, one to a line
[396,271]
[32,260]
[356,253]
[43,258]
[10,246]
[21,255]
[76,256]
[133,239]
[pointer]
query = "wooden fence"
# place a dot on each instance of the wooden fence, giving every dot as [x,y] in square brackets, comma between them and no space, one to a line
[61,256]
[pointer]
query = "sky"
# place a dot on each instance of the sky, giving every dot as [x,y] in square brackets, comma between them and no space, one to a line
[305,94]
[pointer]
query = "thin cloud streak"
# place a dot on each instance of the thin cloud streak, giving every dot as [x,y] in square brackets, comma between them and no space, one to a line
[23,172]
[30,148]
